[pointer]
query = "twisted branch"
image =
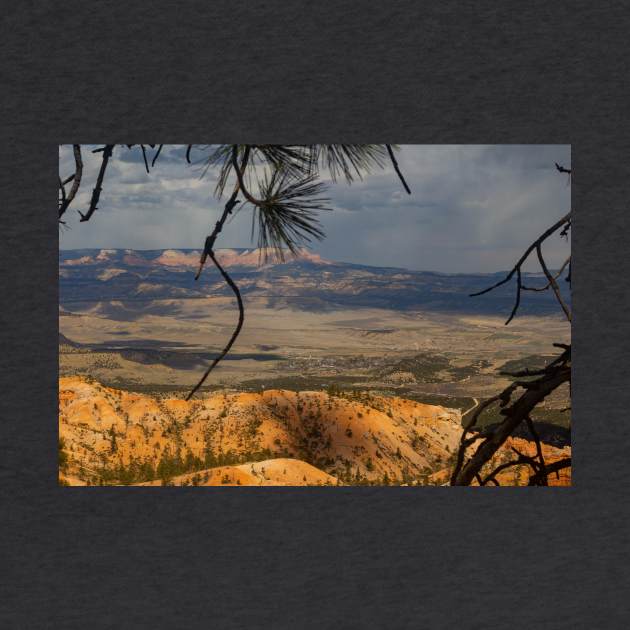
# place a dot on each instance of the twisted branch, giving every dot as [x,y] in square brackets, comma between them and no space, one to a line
[208,251]
[237,330]
[555,467]
[552,281]
[156,156]
[563,222]
[96,193]
[396,168]
[535,392]
[539,453]
[76,181]
[556,276]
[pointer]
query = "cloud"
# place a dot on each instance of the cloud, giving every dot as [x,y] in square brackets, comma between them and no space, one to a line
[472,208]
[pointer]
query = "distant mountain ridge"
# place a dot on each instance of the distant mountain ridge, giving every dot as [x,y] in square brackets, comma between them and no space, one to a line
[181,258]
[307,282]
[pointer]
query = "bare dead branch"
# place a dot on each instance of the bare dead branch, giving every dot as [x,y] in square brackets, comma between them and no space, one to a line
[552,281]
[556,276]
[209,245]
[396,168]
[546,234]
[144,157]
[517,301]
[465,441]
[237,330]
[503,397]
[107,151]
[63,191]
[208,251]
[156,156]
[517,267]
[554,467]
[563,346]
[539,453]
[492,476]
[76,180]
[517,412]
[544,381]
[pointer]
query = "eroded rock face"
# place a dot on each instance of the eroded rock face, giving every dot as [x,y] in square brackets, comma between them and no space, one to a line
[358,438]
[276,437]
[280,471]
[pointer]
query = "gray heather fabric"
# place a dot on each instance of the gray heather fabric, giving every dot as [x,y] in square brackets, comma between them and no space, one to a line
[408,72]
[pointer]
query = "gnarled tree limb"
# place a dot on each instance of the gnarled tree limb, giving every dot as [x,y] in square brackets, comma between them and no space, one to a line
[96,193]
[396,168]
[76,180]
[536,391]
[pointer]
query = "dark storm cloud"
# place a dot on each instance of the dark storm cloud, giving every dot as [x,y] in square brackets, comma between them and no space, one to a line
[472,208]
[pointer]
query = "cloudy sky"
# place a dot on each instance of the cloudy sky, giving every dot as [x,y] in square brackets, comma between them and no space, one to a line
[472,208]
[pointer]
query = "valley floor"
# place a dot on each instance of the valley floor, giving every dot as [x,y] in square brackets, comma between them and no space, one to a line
[434,358]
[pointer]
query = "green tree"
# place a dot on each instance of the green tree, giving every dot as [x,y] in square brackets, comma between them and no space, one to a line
[63,459]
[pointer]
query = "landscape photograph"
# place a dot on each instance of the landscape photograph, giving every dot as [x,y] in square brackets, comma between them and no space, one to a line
[314,315]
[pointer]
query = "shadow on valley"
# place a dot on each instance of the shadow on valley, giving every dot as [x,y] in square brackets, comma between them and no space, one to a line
[155,352]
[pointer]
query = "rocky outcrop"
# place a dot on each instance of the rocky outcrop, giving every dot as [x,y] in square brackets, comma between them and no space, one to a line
[354,439]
